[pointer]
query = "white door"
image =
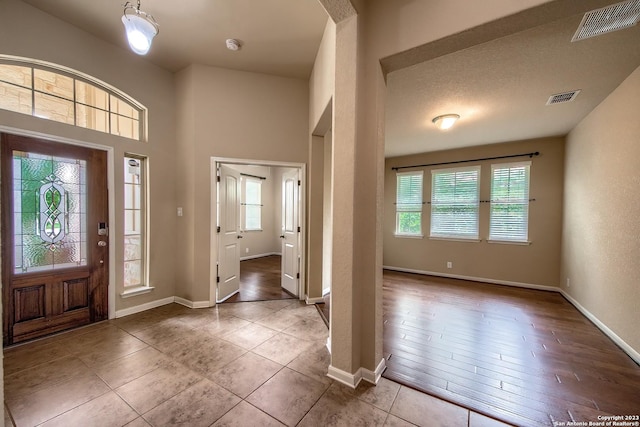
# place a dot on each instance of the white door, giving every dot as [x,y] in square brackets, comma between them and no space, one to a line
[290,232]
[229,233]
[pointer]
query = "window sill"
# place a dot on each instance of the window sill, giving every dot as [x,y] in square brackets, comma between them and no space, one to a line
[456,239]
[138,290]
[509,242]
[409,236]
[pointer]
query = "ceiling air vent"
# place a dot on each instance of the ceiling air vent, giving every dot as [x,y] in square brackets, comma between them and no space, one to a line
[559,98]
[607,19]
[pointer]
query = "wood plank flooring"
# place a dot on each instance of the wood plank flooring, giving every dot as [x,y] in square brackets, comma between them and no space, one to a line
[523,356]
[260,280]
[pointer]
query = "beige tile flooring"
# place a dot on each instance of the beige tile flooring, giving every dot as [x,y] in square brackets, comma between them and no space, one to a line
[239,364]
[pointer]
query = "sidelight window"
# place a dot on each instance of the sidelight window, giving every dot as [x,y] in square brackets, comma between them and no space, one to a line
[135,212]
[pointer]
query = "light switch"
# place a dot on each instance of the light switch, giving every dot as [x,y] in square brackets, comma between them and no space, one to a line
[179,211]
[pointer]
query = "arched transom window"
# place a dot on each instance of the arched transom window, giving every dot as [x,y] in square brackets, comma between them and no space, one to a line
[57,93]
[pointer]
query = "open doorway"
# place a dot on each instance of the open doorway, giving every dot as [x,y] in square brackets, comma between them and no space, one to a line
[258,231]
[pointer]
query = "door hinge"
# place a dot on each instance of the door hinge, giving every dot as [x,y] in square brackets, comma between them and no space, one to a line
[218,229]
[298,276]
[217,279]
[218,178]
[299,182]
[298,229]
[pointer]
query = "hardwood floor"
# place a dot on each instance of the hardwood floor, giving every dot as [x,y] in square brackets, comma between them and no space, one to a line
[522,356]
[260,280]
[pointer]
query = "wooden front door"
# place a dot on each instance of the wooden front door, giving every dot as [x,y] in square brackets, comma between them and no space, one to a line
[54,237]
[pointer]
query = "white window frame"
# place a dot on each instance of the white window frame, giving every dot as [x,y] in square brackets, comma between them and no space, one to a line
[111,111]
[438,200]
[497,232]
[245,203]
[408,208]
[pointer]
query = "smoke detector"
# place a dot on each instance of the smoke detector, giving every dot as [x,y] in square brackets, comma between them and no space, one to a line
[607,19]
[233,44]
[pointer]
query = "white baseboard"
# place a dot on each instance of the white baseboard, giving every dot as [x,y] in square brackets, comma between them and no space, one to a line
[352,380]
[245,258]
[475,279]
[144,307]
[374,376]
[315,300]
[191,304]
[631,352]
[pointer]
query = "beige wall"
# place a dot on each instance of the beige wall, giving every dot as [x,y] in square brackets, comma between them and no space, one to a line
[230,114]
[149,85]
[535,264]
[378,29]
[601,245]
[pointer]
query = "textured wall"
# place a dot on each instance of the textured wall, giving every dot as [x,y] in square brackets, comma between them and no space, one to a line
[601,245]
[536,264]
[239,115]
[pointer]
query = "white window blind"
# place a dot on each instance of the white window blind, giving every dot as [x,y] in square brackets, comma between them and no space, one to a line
[510,202]
[454,202]
[409,203]
[252,204]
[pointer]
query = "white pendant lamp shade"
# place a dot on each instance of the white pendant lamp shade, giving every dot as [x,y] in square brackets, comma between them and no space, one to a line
[140,33]
[140,26]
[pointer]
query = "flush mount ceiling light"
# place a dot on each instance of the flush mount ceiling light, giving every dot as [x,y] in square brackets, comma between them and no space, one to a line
[140,26]
[445,121]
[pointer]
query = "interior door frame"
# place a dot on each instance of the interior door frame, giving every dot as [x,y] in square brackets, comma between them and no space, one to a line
[213,243]
[111,197]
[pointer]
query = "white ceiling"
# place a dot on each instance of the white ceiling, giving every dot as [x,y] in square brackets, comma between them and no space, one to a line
[279,37]
[498,88]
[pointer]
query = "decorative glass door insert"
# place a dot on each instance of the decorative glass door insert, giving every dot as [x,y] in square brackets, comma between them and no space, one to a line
[50,212]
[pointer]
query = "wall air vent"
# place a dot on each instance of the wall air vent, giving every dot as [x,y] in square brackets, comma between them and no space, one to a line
[560,98]
[607,19]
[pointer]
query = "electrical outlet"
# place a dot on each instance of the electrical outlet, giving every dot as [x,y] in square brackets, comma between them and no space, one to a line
[568,283]
[449,264]
[179,211]
[246,250]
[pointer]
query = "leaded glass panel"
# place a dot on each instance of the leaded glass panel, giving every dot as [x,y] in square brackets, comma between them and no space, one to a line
[49,197]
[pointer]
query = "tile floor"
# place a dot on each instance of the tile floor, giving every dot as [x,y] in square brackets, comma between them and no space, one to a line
[239,364]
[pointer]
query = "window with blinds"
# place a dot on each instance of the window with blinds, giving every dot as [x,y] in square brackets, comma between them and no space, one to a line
[409,203]
[509,218]
[252,204]
[455,202]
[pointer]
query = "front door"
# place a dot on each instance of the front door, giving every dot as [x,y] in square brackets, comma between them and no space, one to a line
[290,232]
[54,237]
[228,233]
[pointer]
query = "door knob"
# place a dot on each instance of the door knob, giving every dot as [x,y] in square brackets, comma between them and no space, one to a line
[240,237]
[102,243]
[282,236]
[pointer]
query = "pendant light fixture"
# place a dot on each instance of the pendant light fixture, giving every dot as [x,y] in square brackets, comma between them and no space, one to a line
[141,28]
